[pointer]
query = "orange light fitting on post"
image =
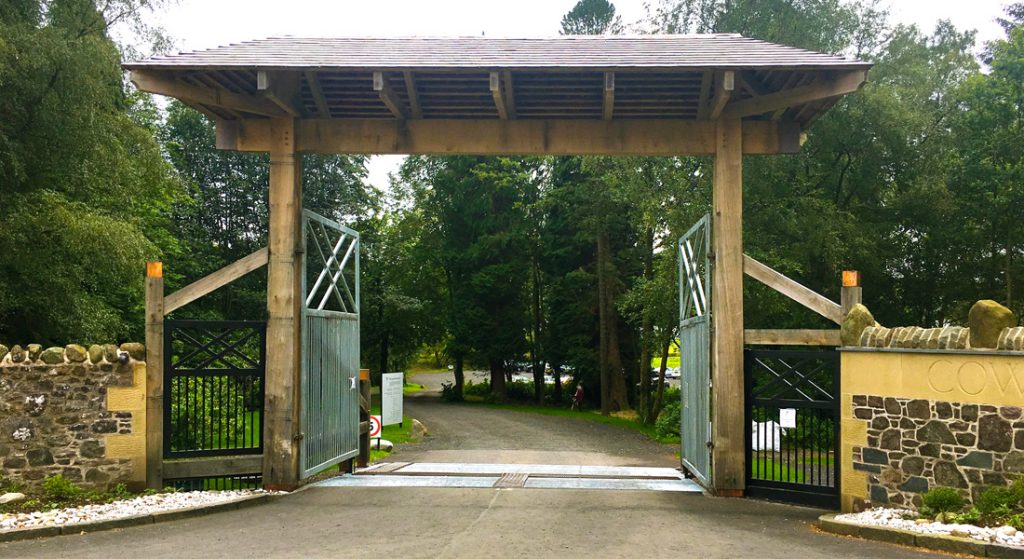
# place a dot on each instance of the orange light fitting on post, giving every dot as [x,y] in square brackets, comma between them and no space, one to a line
[851,278]
[154,269]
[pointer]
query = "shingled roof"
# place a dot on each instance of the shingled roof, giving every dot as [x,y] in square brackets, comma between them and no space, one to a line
[590,52]
[565,77]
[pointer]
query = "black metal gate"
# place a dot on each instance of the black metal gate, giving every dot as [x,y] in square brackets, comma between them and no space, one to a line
[213,388]
[792,427]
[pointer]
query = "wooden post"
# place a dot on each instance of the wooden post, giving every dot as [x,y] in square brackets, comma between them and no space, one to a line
[154,375]
[727,455]
[851,293]
[281,428]
[364,418]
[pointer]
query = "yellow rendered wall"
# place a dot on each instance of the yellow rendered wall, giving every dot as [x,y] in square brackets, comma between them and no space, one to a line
[975,377]
[132,446]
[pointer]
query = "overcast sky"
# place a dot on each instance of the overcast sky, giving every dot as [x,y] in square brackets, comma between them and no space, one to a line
[199,24]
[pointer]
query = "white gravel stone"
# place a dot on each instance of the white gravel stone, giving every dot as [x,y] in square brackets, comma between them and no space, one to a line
[909,520]
[138,506]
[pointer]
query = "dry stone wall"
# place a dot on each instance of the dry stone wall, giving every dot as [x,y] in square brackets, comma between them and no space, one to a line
[73,411]
[915,445]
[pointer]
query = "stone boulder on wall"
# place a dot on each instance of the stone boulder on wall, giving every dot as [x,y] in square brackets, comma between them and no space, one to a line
[987,319]
[854,324]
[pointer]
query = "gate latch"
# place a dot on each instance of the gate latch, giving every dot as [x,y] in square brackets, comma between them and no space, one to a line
[299,436]
[353,387]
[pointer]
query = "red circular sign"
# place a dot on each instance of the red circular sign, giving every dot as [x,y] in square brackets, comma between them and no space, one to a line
[375,426]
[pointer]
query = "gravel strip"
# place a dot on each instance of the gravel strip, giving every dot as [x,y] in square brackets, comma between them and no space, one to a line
[139,506]
[908,520]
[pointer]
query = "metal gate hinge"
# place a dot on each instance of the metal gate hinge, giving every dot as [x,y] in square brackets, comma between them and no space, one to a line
[299,436]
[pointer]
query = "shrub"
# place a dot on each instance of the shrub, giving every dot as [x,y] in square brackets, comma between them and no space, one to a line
[669,420]
[943,499]
[60,489]
[448,393]
[997,502]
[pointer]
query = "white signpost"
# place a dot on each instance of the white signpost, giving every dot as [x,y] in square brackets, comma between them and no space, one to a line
[391,397]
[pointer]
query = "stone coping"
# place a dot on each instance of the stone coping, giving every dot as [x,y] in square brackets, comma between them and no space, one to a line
[932,542]
[138,520]
[976,352]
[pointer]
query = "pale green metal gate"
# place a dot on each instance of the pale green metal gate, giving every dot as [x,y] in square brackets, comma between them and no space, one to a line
[695,349]
[330,344]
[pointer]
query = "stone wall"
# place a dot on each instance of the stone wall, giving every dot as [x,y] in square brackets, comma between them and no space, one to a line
[73,411]
[916,445]
[915,420]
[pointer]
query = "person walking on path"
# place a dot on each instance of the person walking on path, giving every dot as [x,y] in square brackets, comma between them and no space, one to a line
[577,398]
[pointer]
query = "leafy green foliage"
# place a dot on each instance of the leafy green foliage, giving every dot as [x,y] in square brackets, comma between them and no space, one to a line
[59,488]
[669,420]
[943,500]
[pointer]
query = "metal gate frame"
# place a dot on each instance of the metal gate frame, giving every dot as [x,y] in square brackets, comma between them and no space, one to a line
[695,349]
[330,345]
[795,379]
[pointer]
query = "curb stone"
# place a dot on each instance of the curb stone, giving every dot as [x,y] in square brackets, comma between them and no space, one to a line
[934,542]
[128,521]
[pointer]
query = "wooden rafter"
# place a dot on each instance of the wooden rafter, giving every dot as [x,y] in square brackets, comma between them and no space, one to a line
[153,82]
[792,289]
[410,90]
[282,89]
[792,337]
[824,89]
[499,98]
[318,94]
[707,78]
[725,83]
[510,94]
[608,108]
[383,89]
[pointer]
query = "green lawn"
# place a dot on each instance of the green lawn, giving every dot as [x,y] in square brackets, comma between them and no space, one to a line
[411,388]
[768,468]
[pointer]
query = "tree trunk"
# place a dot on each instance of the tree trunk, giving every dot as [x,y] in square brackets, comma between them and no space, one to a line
[602,322]
[556,394]
[660,397]
[498,387]
[613,384]
[646,332]
[460,378]
[535,350]
[384,350]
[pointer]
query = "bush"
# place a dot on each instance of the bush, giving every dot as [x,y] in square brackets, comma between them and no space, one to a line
[995,503]
[669,420]
[60,489]
[448,393]
[943,500]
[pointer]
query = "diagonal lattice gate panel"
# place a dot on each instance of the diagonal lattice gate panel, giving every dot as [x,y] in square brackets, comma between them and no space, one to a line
[695,349]
[330,344]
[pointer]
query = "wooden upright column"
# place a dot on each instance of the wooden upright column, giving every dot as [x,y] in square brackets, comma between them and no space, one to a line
[727,456]
[154,375]
[280,417]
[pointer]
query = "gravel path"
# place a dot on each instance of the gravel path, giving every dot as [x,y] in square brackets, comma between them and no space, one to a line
[480,434]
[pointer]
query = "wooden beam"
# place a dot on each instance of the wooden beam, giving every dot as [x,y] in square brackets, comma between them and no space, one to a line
[728,455]
[519,137]
[414,98]
[499,98]
[823,89]
[848,297]
[323,111]
[282,89]
[608,110]
[216,280]
[284,303]
[380,85]
[154,82]
[209,467]
[510,94]
[154,375]
[703,106]
[795,291]
[725,83]
[792,337]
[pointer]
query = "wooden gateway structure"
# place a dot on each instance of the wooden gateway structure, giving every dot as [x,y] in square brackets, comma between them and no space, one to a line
[719,95]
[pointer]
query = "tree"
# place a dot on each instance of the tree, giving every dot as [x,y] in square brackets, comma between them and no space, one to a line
[591,17]
[86,193]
